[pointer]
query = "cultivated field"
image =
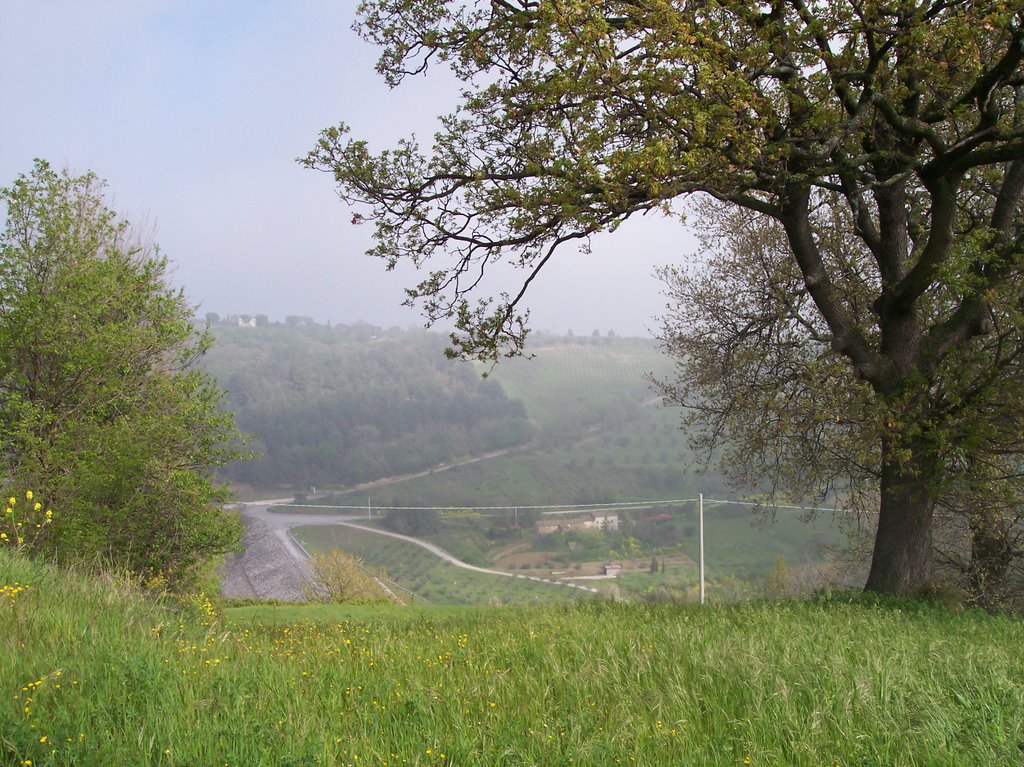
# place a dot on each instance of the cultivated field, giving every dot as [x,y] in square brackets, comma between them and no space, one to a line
[740,552]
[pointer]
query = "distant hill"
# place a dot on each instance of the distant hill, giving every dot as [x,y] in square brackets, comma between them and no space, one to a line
[339,406]
[601,434]
[346,404]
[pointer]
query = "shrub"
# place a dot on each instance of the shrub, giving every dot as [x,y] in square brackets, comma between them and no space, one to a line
[340,577]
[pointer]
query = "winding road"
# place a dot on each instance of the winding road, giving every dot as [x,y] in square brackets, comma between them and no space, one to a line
[281,524]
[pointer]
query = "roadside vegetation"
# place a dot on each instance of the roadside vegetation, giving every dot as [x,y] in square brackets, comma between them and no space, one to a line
[338,577]
[93,672]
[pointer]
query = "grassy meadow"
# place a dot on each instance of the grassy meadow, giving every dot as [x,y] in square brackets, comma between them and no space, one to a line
[93,673]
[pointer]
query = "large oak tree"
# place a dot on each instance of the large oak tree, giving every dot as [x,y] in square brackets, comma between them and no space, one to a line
[765,393]
[577,115]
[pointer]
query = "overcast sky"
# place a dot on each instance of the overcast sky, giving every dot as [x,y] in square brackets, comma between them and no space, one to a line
[194,113]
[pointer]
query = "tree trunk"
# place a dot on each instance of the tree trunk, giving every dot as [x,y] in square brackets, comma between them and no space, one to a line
[902,561]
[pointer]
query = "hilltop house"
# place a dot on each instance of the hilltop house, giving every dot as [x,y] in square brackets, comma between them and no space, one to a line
[242,320]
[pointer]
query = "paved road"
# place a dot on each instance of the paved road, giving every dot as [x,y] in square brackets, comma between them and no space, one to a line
[281,524]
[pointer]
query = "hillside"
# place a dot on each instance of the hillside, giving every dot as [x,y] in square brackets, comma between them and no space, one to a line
[600,436]
[348,404]
[341,406]
[92,672]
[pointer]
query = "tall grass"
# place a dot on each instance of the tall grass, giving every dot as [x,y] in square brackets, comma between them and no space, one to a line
[92,673]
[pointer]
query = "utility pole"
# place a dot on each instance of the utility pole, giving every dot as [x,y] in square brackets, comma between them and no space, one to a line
[701,514]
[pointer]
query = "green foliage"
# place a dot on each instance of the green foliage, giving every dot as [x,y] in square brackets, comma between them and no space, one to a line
[101,409]
[576,116]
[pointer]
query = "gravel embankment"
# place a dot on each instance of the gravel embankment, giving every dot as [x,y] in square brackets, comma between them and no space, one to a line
[264,570]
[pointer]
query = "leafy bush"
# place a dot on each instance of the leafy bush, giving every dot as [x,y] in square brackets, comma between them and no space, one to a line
[340,577]
[103,411]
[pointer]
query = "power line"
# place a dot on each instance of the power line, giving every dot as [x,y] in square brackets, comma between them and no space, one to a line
[567,508]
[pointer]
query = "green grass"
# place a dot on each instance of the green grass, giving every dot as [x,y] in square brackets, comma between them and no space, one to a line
[93,674]
[287,614]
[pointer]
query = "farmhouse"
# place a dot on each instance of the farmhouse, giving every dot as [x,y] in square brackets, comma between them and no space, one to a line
[590,521]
